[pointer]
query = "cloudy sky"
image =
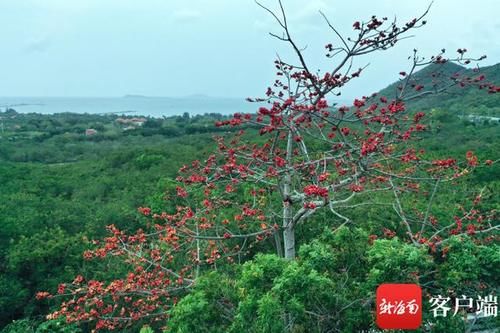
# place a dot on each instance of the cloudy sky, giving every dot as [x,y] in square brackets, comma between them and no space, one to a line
[212,47]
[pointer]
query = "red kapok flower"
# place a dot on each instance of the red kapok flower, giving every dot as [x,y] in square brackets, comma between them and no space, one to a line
[144,211]
[181,192]
[315,190]
[345,130]
[42,295]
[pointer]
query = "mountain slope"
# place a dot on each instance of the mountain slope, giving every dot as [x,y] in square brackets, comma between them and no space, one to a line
[462,100]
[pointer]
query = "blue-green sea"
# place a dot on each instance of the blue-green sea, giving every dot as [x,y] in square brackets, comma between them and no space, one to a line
[130,105]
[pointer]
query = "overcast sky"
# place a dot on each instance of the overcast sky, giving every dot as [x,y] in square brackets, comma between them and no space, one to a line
[212,47]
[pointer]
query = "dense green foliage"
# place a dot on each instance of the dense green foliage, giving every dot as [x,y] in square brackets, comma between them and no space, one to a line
[61,187]
[331,285]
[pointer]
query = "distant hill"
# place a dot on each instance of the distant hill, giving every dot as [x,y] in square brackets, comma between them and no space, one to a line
[187,97]
[135,96]
[461,100]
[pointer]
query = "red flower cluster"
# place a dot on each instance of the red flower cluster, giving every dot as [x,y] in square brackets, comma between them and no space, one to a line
[471,158]
[315,190]
[356,188]
[61,288]
[396,107]
[371,144]
[418,116]
[279,162]
[389,233]
[446,163]
[144,211]
[309,205]
[42,295]
[229,188]
[409,156]
[471,229]
[324,176]
[359,103]
[345,130]
[181,192]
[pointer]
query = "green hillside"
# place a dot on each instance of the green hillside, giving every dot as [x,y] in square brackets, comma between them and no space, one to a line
[457,100]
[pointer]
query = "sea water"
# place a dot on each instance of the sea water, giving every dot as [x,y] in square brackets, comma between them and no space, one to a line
[129,105]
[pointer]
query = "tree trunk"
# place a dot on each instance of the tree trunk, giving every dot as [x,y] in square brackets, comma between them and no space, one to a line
[289,242]
[288,227]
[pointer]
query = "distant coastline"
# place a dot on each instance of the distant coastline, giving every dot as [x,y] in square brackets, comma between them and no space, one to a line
[130,104]
[191,96]
[134,104]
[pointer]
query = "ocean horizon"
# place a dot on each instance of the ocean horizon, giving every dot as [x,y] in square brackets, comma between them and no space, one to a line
[156,107]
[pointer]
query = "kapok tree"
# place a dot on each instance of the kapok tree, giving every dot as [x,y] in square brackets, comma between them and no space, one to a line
[308,156]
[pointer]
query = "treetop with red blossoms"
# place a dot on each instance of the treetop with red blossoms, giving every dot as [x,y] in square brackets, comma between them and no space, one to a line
[310,155]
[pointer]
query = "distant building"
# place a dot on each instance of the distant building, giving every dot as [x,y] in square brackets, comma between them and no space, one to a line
[90,132]
[139,121]
[476,118]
